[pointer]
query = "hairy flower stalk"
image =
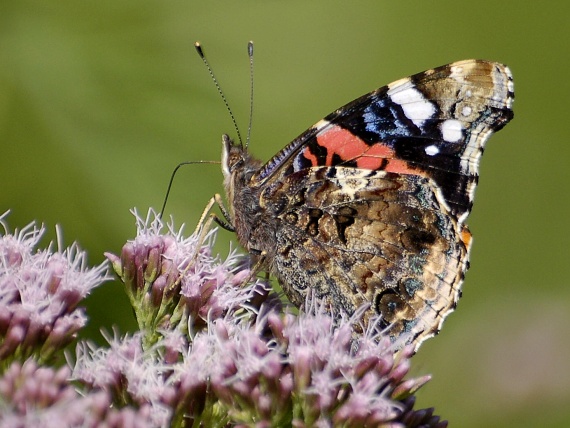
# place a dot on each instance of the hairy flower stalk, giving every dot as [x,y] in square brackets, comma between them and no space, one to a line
[215,348]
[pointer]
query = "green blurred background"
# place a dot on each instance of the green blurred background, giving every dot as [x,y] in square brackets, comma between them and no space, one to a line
[100,100]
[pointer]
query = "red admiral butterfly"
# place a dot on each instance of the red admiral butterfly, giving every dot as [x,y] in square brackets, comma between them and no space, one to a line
[368,206]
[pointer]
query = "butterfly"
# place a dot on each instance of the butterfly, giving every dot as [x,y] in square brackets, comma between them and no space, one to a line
[368,206]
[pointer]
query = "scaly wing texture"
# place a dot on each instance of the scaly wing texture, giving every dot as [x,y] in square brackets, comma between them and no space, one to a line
[354,236]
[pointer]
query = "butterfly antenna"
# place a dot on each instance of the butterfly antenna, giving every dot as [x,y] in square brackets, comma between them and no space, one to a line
[172,180]
[201,53]
[250,54]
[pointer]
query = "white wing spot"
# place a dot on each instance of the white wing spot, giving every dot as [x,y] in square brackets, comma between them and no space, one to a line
[510,84]
[431,150]
[415,106]
[457,74]
[468,93]
[452,130]
[321,124]
[466,111]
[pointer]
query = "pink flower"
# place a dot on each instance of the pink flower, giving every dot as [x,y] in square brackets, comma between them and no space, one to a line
[39,294]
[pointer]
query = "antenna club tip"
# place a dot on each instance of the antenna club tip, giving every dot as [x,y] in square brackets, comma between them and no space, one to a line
[198,47]
[250,48]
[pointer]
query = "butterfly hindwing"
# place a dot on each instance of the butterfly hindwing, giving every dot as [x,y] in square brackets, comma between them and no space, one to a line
[356,237]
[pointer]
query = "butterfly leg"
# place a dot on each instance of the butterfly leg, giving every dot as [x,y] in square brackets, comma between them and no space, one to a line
[204,226]
[227,223]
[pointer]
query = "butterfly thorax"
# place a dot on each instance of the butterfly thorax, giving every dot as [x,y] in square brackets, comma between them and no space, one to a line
[238,167]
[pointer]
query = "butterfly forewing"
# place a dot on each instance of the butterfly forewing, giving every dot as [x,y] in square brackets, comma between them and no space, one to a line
[433,124]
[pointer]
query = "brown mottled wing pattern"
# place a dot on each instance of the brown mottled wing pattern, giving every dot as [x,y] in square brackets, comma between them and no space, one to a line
[355,236]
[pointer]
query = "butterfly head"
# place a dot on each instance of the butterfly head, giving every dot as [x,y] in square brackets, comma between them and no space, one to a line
[237,165]
[232,156]
[239,169]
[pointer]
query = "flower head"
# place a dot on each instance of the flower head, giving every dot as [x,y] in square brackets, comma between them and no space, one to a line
[39,294]
[41,396]
[174,282]
[236,372]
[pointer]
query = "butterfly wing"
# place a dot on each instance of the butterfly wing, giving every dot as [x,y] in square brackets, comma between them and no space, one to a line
[433,124]
[368,205]
[354,237]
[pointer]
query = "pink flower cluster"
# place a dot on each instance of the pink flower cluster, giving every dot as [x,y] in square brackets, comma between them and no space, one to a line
[39,294]
[215,347]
